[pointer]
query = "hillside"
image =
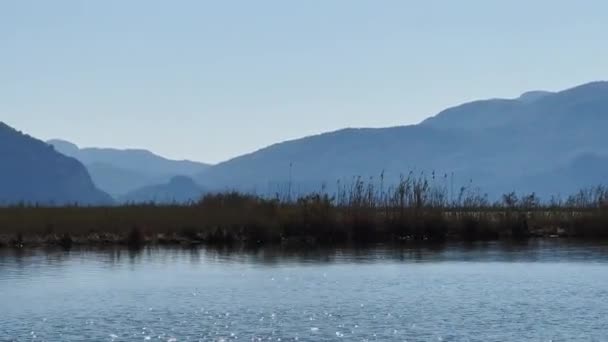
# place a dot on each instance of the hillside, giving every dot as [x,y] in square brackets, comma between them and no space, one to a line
[179,189]
[497,144]
[33,172]
[121,171]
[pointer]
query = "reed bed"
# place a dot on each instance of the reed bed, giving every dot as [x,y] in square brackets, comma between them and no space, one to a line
[361,212]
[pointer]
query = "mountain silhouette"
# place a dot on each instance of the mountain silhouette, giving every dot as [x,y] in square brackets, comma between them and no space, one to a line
[33,172]
[180,189]
[498,145]
[119,172]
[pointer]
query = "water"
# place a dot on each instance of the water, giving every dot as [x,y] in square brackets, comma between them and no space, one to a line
[540,291]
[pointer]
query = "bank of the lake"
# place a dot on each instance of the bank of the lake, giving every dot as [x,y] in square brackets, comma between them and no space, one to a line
[261,223]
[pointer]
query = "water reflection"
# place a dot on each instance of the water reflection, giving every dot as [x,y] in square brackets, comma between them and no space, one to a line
[555,250]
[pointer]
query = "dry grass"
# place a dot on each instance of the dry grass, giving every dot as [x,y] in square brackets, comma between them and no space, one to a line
[361,212]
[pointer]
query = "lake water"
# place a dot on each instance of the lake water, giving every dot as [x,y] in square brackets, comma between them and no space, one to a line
[538,291]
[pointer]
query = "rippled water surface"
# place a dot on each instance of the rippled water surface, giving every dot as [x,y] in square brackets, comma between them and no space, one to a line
[539,291]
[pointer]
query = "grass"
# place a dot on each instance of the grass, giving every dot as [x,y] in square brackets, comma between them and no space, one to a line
[413,210]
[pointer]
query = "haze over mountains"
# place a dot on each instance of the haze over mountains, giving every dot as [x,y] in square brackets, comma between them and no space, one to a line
[120,172]
[548,143]
[179,189]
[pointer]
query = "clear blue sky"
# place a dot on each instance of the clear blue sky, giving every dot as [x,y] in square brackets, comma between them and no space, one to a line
[208,80]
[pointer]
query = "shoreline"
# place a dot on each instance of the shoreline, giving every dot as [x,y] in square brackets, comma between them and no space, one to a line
[234,218]
[134,239]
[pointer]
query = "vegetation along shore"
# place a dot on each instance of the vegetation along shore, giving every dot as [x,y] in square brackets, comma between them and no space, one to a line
[362,212]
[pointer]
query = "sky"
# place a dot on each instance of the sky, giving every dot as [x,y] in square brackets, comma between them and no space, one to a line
[210,80]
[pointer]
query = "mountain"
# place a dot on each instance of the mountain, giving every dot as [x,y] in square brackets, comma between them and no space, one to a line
[121,171]
[534,95]
[180,189]
[33,172]
[582,172]
[498,144]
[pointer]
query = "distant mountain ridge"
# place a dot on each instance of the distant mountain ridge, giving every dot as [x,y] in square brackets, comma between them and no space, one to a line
[497,144]
[33,172]
[120,172]
[180,189]
[544,142]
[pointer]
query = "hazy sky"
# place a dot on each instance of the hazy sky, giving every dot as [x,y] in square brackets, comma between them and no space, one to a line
[209,80]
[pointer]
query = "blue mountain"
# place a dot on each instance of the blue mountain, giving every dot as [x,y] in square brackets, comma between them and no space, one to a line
[121,171]
[33,172]
[179,189]
[498,145]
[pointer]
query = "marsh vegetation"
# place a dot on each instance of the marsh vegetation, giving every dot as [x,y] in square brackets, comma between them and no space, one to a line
[361,212]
